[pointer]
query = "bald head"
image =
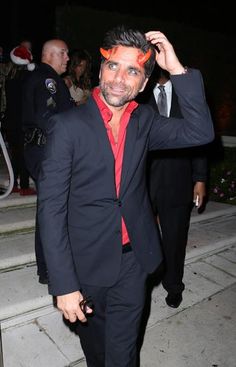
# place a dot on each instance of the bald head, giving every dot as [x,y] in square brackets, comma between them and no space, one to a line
[55,54]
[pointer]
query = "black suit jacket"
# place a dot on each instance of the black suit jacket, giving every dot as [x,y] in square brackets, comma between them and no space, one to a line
[79,211]
[173,172]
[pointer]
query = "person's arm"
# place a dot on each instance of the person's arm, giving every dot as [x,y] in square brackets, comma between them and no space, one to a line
[196,127]
[165,54]
[53,191]
[199,176]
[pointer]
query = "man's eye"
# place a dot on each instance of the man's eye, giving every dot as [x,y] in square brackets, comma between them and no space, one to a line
[133,72]
[112,66]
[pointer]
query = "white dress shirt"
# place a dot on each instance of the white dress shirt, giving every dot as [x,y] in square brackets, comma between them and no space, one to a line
[168,90]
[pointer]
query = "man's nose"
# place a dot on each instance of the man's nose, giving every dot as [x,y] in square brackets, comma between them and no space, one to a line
[120,75]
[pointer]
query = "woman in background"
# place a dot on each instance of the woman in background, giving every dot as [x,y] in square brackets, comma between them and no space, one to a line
[78,78]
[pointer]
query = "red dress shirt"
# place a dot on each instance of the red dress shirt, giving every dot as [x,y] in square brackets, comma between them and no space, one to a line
[117,148]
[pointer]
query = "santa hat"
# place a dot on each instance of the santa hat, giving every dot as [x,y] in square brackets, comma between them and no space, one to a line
[20,55]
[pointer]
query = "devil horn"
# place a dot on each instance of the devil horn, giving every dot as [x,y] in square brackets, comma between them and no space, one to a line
[144,58]
[105,53]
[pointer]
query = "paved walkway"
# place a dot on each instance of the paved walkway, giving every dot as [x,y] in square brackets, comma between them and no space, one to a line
[200,333]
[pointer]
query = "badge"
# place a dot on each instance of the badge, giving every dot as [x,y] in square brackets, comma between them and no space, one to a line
[51,85]
[51,103]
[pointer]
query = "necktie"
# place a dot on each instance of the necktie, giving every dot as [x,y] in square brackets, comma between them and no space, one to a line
[162,101]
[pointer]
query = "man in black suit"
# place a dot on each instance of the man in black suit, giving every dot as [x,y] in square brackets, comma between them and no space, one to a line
[176,180]
[99,234]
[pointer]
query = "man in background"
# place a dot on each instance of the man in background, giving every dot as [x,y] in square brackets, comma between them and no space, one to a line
[45,94]
[177,179]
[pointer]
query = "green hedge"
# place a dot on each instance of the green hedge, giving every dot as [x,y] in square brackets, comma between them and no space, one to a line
[222,177]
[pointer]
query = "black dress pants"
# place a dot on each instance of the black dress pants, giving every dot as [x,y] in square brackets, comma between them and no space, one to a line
[109,338]
[174,222]
[16,146]
[33,158]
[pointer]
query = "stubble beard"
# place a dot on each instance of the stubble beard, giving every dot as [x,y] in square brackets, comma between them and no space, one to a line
[116,101]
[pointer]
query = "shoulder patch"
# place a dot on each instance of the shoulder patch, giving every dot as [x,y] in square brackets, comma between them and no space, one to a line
[51,85]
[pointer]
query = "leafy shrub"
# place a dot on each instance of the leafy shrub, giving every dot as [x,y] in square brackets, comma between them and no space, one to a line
[222,178]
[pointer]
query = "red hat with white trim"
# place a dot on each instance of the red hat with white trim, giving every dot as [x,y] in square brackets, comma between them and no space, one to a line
[20,55]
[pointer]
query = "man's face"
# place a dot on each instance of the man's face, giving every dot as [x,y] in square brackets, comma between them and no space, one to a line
[121,76]
[59,57]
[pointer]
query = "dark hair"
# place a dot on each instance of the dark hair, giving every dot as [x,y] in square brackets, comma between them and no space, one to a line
[122,36]
[76,56]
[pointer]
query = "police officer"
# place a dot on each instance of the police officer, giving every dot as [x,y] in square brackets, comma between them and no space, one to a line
[45,94]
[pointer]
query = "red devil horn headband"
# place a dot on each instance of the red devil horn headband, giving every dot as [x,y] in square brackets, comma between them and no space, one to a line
[144,58]
[141,58]
[105,53]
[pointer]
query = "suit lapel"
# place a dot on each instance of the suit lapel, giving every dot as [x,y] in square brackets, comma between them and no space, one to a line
[105,146]
[130,142]
[97,124]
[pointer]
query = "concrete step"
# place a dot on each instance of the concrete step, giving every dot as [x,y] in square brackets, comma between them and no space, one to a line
[208,233]
[27,313]
[212,210]
[204,320]
[17,219]
[16,250]
[17,214]
[16,199]
[17,231]
[20,292]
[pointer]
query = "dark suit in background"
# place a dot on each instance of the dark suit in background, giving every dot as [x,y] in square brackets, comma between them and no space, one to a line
[172,176]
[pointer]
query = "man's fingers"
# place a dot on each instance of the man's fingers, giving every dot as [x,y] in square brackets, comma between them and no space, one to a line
[74,316]
[66,315]
[74,306]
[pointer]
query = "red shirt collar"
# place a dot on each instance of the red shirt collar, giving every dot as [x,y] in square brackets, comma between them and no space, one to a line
[104,109]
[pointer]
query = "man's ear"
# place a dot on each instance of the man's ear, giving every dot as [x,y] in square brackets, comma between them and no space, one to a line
[144,85]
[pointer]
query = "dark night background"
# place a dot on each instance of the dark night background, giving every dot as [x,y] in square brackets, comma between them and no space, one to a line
[203,35]
[36,19]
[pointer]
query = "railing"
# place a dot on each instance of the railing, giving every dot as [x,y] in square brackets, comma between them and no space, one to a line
[1,350]
[5,194]
[9,167]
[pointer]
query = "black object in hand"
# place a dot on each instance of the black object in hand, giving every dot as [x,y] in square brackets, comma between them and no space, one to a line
[85,303]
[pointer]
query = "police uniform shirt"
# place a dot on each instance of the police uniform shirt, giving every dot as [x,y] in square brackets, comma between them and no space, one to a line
[45,93]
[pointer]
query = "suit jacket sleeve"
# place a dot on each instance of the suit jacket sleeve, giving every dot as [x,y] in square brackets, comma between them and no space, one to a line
[53,192]
[196,127]
[199,168]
